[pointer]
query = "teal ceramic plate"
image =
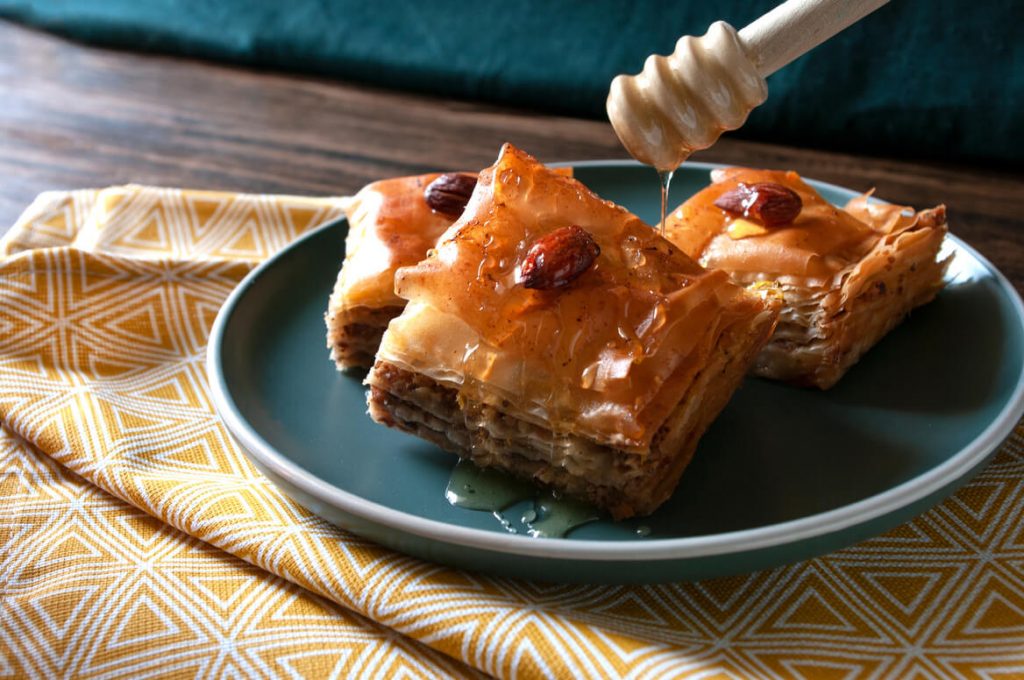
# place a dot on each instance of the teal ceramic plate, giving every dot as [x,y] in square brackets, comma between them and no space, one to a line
[782,475]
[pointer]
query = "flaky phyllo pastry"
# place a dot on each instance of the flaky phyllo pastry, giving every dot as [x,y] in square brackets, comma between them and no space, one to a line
[846,276]
[392,224]
[554,335]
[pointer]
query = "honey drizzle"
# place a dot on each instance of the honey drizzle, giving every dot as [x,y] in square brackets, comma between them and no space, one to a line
[666,180]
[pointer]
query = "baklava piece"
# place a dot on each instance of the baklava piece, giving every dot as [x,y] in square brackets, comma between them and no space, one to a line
[846,277]
[554,335]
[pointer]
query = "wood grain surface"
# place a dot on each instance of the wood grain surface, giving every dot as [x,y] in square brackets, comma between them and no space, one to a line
[73,116]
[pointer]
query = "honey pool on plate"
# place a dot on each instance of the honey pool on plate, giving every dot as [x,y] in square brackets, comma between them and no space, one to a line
[518,506]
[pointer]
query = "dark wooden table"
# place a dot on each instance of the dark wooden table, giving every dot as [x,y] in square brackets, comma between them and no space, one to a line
[74,116]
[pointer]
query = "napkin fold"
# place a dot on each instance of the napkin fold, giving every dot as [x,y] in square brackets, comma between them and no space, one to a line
[135,537]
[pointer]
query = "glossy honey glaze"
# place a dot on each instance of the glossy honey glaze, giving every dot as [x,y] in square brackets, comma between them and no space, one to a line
[820,243]
[607,356]
[390,226]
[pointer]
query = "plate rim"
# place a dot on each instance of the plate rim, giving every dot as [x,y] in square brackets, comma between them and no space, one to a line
[654,549]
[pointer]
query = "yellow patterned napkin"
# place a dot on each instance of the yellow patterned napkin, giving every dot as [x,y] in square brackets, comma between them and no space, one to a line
[155,547]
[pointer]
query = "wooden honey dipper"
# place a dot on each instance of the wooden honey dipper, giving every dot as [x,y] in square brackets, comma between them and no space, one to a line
[683,102]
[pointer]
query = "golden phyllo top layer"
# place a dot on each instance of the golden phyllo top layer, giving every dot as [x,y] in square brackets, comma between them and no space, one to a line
[820,242]
[562,308]
[390,226]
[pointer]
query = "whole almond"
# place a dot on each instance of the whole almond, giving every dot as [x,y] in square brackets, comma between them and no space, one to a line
[770,203]
[449,193]
[558,258]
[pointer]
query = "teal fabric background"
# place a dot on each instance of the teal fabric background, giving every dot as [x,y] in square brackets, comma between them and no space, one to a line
[939,79]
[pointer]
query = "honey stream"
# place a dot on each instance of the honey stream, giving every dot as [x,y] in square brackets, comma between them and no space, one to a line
[666,180]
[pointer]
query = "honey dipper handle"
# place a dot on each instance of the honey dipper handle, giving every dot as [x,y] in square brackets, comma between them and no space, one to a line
[798,26]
